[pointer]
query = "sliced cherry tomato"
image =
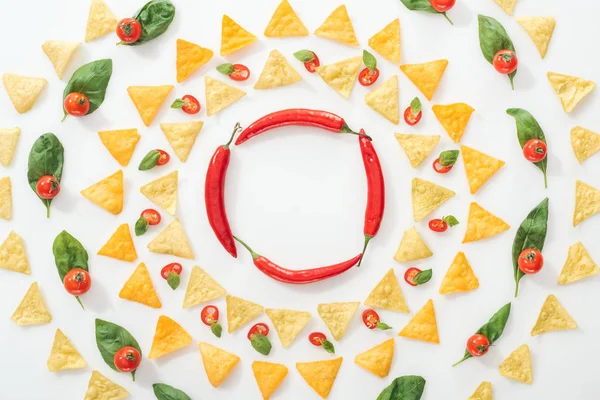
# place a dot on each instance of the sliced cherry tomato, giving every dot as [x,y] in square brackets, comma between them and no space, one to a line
[191,106]
[47,187]
[127,359]
[439,168]
[209,315]
[317,338]
[410,118]
[129,30]
[442,5]
[258,328]
[171,268]
[410,274]
[438,225]
[152,216]
[505,62]
[478,345]
[368,77]
[534,150]
[164,157]
[530,261]
[311,66]
[77,281]
[240,72]
[76,104]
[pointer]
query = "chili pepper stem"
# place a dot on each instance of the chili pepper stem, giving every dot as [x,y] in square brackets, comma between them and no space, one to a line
[236,129]
[446,16]
[254,255]
[367,240]
[346,129]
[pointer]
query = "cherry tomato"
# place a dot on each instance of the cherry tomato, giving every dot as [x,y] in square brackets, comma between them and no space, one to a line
[152,216]
[534,150]
[76,104]
[368,77]
[317,338]
[439,168]
[164,157]
[258,328]
[410,274]
[47,187]
[311,66]
[169,268]
[77,281]
[209,315]
[410,118]
[191,106]
[478,345]
[438,225]
[240,72]
[442,5]
[127,359]
[370,318]
[505,62]
[530,261]
[129,30]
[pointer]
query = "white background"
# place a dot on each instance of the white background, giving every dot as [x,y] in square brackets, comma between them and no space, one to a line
[298,196]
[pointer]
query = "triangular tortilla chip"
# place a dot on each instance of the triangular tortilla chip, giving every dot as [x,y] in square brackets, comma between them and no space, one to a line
[288,324]
[148,99]
[587,202]
[338,27]
[479,167]
[102,388]
[233,36]
[13,256]
[201,288]
[427,197]
[182,136]
[412,247]
[540,30]
[341,76]
[32,309]
[585,143]
[240,312]
[427,76]
[63,355]
[139,288]
[219,95]
[285,22]
[268,376]
[507,5]
[518,365]
[387,41]
[168,337]
[120,143]
[482,224]
[8,144]
[579,265]
[337,316]
[377,360]
[172,240]
[553,317]
[387,294]
[570,89]
[23,91]
[5,198]
[189,58]
[277,72]
[59,54]
[384,100]
[483,392]
[423,326]
[218,363]
[100,21]
[459,277]
[108,193]
[163,192]
[120,245]
[417,147]
[320,375]
[454,118]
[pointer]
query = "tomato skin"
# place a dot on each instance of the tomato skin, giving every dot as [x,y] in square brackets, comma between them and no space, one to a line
[505,62]
[259,328]
[530,261]
[240,72]
[129,30]
[76,104]
[209,315]
[370,318]
[438,225]
[152,216]
[127,359]
[77,281]
[47,187]
[368,77]
[164,157]
[478,345]
[442,5]
[311,66]
[317,338]
[410,274]
[410,118]
[171,268]
[439,168]
[534,150]
[191,106]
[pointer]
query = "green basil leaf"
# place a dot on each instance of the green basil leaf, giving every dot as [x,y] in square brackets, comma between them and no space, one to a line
[423,5]
[141,226]
[155,18]
[178,103]
[225,69]
[415,106]
[304,55]
[149,161]
[216,329]
[162,391]
[110,338]
[423,277]
[369,60]
[409,387]
[261,343]
[328,346]
[45,158]
[92,80]
[383,326]
[448,158]
[173,280]
[68,254]
[492,39]
[450,220]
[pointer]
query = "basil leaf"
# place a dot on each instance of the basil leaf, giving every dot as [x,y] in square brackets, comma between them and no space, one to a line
[162,391]
[492,39]
[141,226]
[173,280]
[448,158]
[149,161]
[423,5]
[423,277]
[45,158]
[415,106]
[531,234]
[155,18]
[328,346]
[369,60]
[225,69]
[450,220]
[110,338]
[383,326]
[216,329]
[92,80]
[68,254]
[261,343]
[409,387]
[178,103]
[304,55]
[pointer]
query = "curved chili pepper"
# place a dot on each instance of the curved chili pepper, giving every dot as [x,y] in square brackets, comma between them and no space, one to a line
[214,194]
[298,277]
[299,117]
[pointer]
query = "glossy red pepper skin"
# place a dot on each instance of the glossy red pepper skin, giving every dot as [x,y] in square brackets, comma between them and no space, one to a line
[376,189]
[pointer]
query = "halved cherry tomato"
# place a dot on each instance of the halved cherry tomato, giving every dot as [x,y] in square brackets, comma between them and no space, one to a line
[442,5]
[76,104]
[530,261]
[505,62]
[534,150]
[311,66]
[317,338]
[259,328]
[175,268]
[410,118]
[438,225]
[152,216]
[478,345]
[47,187]
[129,30]
[240,72]
[127,359]
[164,157]
[77,281]
[368,77]
[439,168]
[209,315]
[410,274]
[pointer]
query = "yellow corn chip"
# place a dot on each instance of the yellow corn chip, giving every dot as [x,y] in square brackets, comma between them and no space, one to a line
[387,294]
[570,89]
[5,198]
[288,324]
[587,202]
[454,118]
[233,36]
[427,197]
[13,256]
[120,245]
[427,76]
[59,54]
[172,240]
[182,136]
[218,363]
[8,143]
[423,326]
[579,265]
[268,376]
[337,316]
[32,309]
[120,143]
[220,95]
[479,167]
[148,99]
[518,365]
[387,41]
[277,72]
[23,91]
[139,288]
[102,388]
[483,392]
[412,247]
[285,22]
[507,5]
[201,288]
[338,27]
[553,317]
[417,147]
[341,76]
[100,21]
[63,355]
[189,58]
[384,100]
[320,375]
[540,30]
[460,276]
[585,143]
[168,337]
[240,312]
[482,224]
[108,193]
[377,360]
[163,192]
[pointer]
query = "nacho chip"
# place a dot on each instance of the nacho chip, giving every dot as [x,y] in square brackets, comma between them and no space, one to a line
[218,363]
[540,30]
[168,337]
[579,265]
[63,355]
[219,95]
[423,326]
[587,202]
[585,143]
[553,317]
[482,224]
[479,167]
[240,312]
[5,198]
[427,197]
[384,100]
[518,365]
[163,192]
[337,317]
[483,392]
[100,21]
[13,256]
[387,294]
[320,375]
[148,99]
[459,277]
[23,91]
[507,5]
[338,27]
[377,360]
[570,89]
[59,54]
[189,58]
[417,147]
[285,22]
[233,36]
[172,240]
[108,193]
[201,288]
[454,118]
[139,288]
[341,76]
[276,72]
[412,247]
[32,309]
[120,143]
[427,76]
[102,388]
[8,144]
[120,245]
[182,136]
[386,42]
[288,324]
[268,376]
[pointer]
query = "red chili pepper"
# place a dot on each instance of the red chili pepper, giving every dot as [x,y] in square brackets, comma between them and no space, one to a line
[214,194]
[298,117]
[302,276]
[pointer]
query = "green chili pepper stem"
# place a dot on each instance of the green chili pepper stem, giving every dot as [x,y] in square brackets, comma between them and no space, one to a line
[367,240]
[254,254]
[346,129]
[236,129]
